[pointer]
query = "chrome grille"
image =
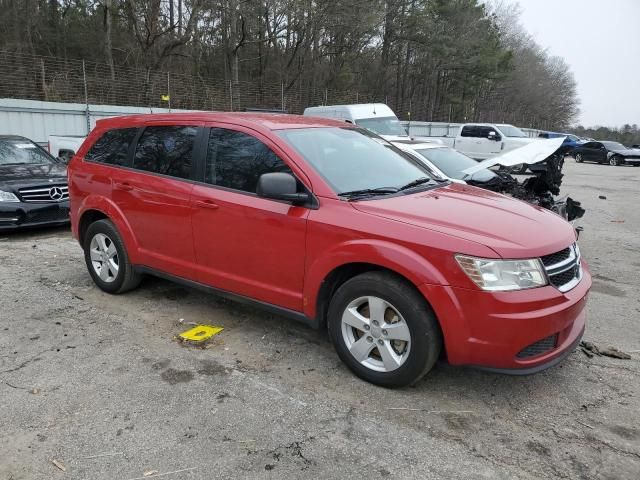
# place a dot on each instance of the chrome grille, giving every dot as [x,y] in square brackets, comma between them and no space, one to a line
[45,193]
[563,268]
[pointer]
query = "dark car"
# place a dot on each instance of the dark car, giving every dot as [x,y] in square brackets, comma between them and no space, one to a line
[570,141]
[33,186]
[613,153]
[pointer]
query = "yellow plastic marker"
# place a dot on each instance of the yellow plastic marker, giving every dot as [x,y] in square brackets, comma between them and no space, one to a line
[200,333]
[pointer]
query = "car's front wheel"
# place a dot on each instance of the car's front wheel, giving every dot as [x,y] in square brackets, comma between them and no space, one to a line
[384,330]
[107,260]
[578,157]
[616,161]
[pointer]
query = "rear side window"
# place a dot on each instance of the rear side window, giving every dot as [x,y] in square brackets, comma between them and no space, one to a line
[236,160]
[112,147]
[167,150]
[469,131]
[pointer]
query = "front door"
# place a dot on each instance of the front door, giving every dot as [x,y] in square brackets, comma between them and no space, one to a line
[155,197]
[245,244]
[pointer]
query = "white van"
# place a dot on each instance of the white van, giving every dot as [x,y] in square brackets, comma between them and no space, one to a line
[376,117]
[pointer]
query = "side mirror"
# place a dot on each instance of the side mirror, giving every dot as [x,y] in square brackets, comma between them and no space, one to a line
[280,186]
[494,136]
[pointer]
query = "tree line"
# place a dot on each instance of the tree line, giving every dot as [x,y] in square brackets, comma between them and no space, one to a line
[627,134]
[439,60]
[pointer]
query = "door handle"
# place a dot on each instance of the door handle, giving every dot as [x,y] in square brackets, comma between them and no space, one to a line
[206,204]
[122,186]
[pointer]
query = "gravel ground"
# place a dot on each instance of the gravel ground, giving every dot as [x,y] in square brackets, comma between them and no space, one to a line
[98,383]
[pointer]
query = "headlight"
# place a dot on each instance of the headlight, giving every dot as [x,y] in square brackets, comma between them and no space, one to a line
[503,275]
[8,197]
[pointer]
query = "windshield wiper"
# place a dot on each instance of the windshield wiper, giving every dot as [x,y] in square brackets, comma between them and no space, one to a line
[369,192]
[416,182]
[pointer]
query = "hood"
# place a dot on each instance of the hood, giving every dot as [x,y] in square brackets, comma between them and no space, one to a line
[627,152]
[512,228]
[533,151]
[395,138]
[26,174]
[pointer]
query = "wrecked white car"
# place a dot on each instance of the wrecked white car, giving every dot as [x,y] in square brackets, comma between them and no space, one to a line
[542,189]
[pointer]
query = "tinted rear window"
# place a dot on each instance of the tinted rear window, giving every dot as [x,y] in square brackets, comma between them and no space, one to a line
[166,150]
[112,147]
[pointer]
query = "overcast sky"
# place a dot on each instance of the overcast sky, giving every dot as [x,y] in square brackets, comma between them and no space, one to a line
[600,40]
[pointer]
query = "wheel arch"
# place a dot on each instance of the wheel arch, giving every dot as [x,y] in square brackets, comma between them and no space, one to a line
[100,208]
[337,266]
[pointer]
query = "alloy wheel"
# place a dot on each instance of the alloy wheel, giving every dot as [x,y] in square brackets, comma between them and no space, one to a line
[376,334]
[104,257]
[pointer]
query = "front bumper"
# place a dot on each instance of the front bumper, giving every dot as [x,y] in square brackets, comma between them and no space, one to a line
[511,332]
[17,215]
[632,161]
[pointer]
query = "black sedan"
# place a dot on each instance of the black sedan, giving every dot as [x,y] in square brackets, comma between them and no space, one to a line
[613,153]
[33,186]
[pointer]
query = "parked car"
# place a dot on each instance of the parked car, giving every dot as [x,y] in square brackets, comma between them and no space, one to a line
[613,153]
[453,165]
[33,186]
[485,140]
[64,147]
[636,146]
[327,223]
[570,141]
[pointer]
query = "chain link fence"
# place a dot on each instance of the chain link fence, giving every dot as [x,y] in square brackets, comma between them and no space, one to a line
[33,77]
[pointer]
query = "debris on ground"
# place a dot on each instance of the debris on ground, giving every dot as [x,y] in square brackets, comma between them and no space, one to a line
[602,197]
[591,349]
[148,473]
[617,221]
[59,465]
[199,334]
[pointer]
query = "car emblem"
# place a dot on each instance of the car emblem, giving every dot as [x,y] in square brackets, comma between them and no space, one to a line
[55,193]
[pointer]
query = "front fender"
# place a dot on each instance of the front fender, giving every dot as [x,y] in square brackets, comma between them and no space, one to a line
[115,214]
[392,256]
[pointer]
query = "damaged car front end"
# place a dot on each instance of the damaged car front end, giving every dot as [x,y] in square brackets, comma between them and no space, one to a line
[542,158]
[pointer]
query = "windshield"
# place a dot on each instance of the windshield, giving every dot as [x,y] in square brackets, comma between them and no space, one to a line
[511,131]
[614,146]
[452,163]
[21,152]
[353,159]
[383,126]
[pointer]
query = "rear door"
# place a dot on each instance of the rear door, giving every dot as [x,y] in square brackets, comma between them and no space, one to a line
[245,244]
[468,141]
[155,193]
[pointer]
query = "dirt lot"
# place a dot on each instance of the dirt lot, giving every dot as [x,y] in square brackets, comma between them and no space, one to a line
[99,384]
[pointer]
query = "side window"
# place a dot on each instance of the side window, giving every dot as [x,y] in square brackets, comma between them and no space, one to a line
[167,150]
[236,160]
[469,131]
[483,132]
[112,147]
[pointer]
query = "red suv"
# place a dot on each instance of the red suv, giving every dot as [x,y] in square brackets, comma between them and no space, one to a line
[327,223]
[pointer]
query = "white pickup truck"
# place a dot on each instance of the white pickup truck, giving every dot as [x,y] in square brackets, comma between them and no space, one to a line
[64,147]
[486,140]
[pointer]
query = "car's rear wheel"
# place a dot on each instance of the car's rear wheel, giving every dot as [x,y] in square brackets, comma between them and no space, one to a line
[616,161]
[107,260]
[384,330]
[578,157]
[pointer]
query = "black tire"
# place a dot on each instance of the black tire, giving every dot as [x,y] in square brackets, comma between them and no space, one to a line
[425,333]
[578,158]
[127,278]
[616,161]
